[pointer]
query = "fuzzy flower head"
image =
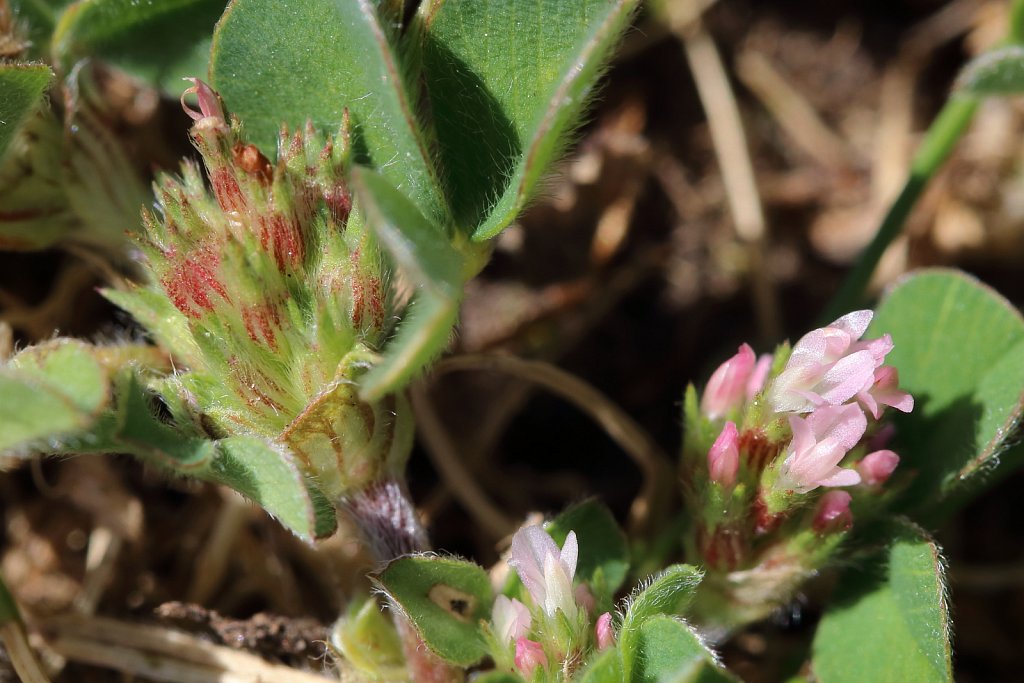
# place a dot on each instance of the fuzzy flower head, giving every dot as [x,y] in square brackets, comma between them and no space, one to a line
[830,366]
[820,442]
[546,571]
[271,295]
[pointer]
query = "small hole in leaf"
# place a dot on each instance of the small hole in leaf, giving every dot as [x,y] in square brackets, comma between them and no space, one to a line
[459,604]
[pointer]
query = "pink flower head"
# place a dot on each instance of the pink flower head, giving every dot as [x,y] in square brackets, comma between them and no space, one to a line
[875,468]
[726,390]
[511,619]
[755,383]
[209,101]
[828,366]
[546,571]
[884,390]
[724,456]
[833,513]
[529,655]
[604,631]
[820,441]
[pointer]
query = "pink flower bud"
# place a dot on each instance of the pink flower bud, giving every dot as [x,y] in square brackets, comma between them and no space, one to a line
[875,468]
[605,633]
[726,390]
[724,456]
[833,513]
[529,655]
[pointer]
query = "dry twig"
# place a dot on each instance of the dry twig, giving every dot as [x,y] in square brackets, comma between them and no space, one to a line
[621,427]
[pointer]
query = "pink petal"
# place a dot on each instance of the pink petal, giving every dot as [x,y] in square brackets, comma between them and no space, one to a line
[605,634]
[855,323]
[724,456]
[846,377]
[511,619]
[209,102]
[529,655]
[833,512]
[530,545]
[726,388]
[875,468]
[840,477]
[755,384]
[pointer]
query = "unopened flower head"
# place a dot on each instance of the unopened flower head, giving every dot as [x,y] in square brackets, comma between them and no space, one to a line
[546,571]
[269,290]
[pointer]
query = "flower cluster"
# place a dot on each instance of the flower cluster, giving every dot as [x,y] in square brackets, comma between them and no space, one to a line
[832,381]
[560,615]
[773,441]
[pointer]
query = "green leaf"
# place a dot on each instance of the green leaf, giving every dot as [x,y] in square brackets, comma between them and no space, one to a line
[266,474]
[666,594]
[445,599]
[890,620]
[48,392]
[670,592]
[603,560]
[166,324]
[996,72]
[607,668]
[507,82]
[286,62]
[423,253]
[498,677]
[159,42]
[23,86]
[958,349]
[666,650]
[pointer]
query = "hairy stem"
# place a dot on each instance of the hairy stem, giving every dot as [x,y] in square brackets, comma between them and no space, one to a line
[391,528]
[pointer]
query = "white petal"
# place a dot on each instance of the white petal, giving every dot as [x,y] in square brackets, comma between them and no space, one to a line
[570,551]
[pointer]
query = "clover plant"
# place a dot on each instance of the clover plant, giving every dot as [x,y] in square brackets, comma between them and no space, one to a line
[356,159]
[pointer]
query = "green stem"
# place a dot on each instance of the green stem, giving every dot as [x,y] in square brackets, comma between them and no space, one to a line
[943,135]
[938,143]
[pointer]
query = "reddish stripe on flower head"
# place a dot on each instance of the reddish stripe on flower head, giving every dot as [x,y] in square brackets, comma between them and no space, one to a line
[225,187]
[190,281]
[260,322]
[281,236]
